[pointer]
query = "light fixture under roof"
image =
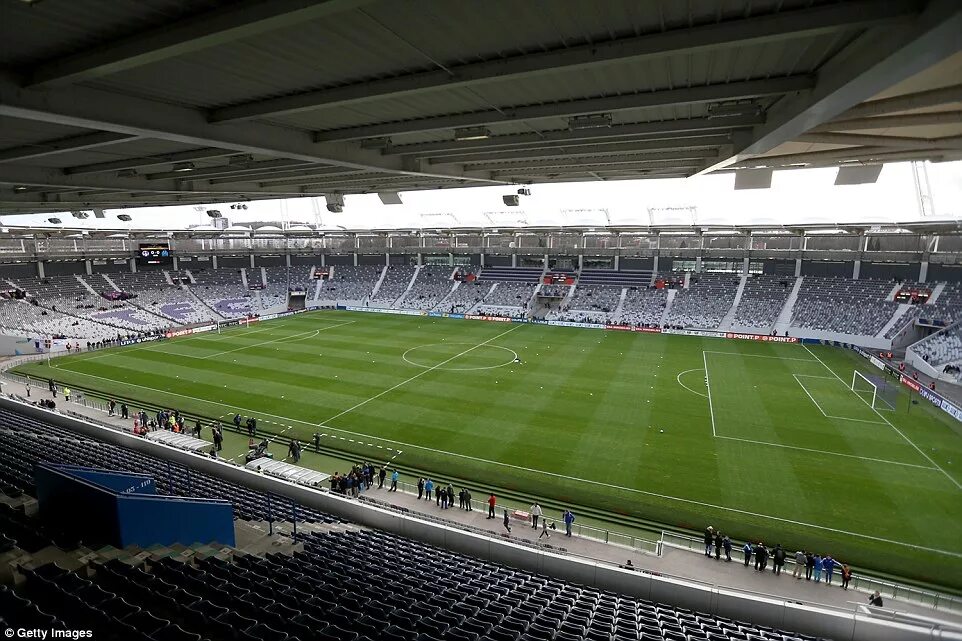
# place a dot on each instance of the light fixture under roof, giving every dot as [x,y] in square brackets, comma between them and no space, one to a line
[593,121]
[183,166]
[20,188]
[472,133]
[375,143]
[733,109]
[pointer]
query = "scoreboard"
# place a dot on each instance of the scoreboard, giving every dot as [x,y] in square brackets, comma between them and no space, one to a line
[155,254]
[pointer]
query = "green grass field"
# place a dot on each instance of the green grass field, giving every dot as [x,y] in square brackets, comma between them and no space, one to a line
[764,441]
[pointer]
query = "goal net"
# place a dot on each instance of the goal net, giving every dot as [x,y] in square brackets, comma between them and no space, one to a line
[875,390]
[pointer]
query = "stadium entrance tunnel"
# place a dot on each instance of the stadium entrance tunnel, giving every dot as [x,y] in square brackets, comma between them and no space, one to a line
[460,357]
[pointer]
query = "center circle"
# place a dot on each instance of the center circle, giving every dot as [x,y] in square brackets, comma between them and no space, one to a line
[459,357]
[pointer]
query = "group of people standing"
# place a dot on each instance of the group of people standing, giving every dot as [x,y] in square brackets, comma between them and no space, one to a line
[813,566]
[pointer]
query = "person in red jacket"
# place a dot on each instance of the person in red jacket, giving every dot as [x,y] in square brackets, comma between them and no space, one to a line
[491,503]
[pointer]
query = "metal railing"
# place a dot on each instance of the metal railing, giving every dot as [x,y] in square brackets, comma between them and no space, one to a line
[859,582]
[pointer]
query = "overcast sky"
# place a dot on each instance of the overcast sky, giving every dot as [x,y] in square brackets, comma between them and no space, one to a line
[796,196]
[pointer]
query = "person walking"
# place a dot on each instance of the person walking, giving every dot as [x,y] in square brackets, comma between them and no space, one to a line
[420,485]
[727,545]
[544,530]
[492,500]
[53,389]
[27,387]
[828,569]
[817,570]
[394,478]
[709,536]
[507,522]
[569,518]
[846,576]
[536,512]
[778,559]
[799,564]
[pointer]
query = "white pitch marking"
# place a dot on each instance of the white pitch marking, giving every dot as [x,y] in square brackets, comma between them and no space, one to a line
[711,410]
[808,449]
[879,414]
[315,332]
[678,378]
[563,476]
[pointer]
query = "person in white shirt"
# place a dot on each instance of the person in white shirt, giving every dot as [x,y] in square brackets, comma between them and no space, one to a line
[536,513]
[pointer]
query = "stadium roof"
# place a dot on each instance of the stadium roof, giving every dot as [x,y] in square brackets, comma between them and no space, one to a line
[111,103]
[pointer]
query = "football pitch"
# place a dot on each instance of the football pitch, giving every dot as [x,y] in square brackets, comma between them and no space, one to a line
[764,441]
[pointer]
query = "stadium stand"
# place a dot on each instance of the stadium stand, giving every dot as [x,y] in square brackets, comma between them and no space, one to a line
[947,309]
[352,283]
[301,596]
[223,290]
[592,303]
[464,298]
[705,302]
[19,317]
[280,280]
[156,295]
[432,285]
[643,306]
[396,281]
[941,348]
[843,305]
[515,286]
[762,301]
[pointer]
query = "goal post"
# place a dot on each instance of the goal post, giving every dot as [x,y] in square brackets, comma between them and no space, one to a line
[874,390]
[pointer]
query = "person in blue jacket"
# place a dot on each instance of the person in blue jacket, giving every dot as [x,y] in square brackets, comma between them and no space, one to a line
[394,477]
[818,569]
[569,518]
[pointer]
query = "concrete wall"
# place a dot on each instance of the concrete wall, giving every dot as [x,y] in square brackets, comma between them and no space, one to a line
[759,609]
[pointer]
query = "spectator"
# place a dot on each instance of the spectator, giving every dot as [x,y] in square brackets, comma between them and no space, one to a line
[718,545]
[420,484]
[875,599]
[535,514]
[747,549]
[123,411]
[778,559]
[467,500]
[394,478]
[492,501]
[544,530]
[569,518]
[66,394]
[709,535]
[27,387]
[828,568]
[438,491]
[507,523]
[761,556]
[809,565]
[846,576]
[111,406]
[450,494]
[727,544]
[383,472]
[817,570]
[428,489]
[799,564]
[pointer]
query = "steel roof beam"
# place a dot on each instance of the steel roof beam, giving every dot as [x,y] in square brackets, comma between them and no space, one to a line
[908,102]
[275,176]
[896,142]
[565,151]
[689,95]
[148,161]
[877,60]
[662,129]
[891,122]
[756,29]
[233,22]
[560,172]
[228,170]
[64,145]
[134,116]
[600,161]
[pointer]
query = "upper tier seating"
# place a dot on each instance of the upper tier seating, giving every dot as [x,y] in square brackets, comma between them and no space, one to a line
[644,306]
[705,302]
[512,274]
[352,283]
[762,301]
[395,281]
[223,290]
[947,309]
[431,286]
[614,279]
[157,295]
[843,305]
